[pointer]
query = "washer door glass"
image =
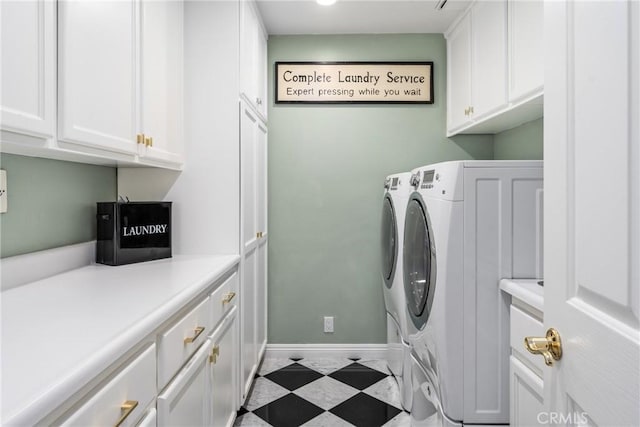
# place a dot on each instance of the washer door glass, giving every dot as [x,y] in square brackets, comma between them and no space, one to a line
[388,241]
[417,258]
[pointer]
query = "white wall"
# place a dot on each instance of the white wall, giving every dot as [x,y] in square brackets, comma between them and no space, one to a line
[206,194]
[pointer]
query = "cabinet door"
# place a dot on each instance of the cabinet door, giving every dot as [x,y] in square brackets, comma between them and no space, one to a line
[261,298]
[223,362]
[253,59]
[248,333]
[459,74]
[526,21]
[184,402]
[161,80]
[261,69]
[489,57]
[97,74]
[28,61]
[248,147]
[527,401]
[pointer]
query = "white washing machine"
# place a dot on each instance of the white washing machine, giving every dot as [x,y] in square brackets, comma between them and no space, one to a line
[468,224]
[394,202]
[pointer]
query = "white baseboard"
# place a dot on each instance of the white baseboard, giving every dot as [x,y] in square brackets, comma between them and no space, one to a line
[21,269]
[362,351]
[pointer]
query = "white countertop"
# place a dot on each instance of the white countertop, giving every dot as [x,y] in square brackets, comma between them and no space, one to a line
[59,333]
[526,290]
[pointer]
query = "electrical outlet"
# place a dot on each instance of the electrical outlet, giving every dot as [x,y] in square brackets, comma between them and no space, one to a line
[3,191]
[328,324]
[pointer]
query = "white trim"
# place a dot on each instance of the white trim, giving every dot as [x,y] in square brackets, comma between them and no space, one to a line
[363,351]
[21,269]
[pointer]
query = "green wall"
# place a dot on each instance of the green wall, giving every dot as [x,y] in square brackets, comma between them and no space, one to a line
[521,143]
[51,203]
[326,169]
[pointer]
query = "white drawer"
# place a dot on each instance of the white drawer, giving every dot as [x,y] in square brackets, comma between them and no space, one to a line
[224,298]
[524,325]
[124,398]
[179,342]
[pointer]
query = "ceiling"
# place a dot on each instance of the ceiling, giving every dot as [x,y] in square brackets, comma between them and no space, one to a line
[359,16]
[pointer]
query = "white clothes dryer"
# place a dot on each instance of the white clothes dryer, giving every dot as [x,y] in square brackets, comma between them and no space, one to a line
[394,202]
[468,224]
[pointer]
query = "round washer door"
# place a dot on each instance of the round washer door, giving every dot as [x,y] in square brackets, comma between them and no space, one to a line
[389,241]
[419,261]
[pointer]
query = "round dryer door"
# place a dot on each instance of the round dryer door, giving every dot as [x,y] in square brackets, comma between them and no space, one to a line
[419,261]
[389,241]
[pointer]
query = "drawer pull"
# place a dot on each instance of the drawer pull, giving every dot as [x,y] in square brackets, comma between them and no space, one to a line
[215,352]
[126,408]
[227,298]
[198,330]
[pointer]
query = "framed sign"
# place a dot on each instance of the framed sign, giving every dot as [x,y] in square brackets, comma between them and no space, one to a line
[354,82]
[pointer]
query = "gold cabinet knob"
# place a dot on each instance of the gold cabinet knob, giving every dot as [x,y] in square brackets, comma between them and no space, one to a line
[140,138]
[549,347]
[197,331]
[215,352]
[228,297]
[126,409]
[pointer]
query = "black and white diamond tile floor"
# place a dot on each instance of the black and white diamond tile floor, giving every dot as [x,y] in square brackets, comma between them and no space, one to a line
[323,392]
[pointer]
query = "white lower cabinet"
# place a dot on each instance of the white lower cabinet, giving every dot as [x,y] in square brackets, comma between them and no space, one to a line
[525,373]
[223,372]
[122,400]
[203,393]
[184,401]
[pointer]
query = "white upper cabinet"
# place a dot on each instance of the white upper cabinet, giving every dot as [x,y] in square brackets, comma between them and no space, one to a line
[477,52]
[93,81]
[526,57]
[488,57]
[495,66]
[161,82]
[97,74]
[459,71]
[253,57]
[28,60]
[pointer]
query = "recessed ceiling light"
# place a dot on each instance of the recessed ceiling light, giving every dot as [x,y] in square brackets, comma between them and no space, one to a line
[326,2]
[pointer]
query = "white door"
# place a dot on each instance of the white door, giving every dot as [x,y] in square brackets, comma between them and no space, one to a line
[223,369]
[592,211]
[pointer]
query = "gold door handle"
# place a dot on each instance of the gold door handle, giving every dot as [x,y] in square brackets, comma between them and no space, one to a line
[140,138]
[147,141]
[126,409]
[228,297]
[215,352]
[198,330]
[550,347]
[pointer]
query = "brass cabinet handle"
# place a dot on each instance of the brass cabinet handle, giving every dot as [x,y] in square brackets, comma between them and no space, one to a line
[147,141]
[550,347]
[140,138]
[198,330]
[470,110]
[215,352]
[466,111]
[228,297]
[151,141]
[126,408]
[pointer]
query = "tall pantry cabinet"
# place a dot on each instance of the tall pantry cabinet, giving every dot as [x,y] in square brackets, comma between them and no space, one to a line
[253,211]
